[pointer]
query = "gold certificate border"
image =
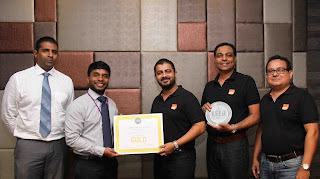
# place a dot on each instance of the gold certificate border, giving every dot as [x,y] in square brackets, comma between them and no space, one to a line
[132,117]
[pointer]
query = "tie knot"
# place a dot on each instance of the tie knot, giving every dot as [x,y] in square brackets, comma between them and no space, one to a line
[45,74]
[102,99]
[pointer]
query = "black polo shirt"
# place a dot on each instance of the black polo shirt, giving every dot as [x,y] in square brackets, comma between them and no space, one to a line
[180,111]
[283,120]
[239,92]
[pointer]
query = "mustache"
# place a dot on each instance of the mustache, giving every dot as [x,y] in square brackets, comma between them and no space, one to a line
[165,78]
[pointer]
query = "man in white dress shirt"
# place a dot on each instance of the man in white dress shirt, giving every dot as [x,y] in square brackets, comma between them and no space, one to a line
[89,128]
[33,108]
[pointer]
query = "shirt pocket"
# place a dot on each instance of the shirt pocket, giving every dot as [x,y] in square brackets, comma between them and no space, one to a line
[60,101]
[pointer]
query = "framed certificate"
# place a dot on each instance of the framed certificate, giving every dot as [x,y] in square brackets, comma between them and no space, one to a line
[138,134]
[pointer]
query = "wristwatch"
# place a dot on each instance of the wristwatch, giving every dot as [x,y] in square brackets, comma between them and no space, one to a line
[305,166]
[234,128]
[176,146]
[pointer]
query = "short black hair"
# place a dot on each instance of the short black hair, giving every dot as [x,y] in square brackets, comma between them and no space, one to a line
[278,57]
[99,65]
[45,39]
[225,44]
[162,61]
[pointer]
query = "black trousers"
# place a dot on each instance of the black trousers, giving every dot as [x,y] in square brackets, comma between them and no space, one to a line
[96,168]
[176,165]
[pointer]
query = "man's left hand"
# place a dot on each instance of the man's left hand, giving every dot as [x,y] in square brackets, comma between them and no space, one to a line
[167,149]
[222,127]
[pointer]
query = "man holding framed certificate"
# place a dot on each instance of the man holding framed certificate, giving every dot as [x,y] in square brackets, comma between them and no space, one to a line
[88,128]
[183,121]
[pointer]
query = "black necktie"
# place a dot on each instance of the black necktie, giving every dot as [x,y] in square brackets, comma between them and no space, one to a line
[107,141]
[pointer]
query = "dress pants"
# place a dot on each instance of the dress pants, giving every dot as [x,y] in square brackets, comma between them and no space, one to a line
[179,164]
[40,159]
[228,160]
[94,168]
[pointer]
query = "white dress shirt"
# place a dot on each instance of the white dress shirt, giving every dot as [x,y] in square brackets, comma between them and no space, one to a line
[84,124]
[21,103]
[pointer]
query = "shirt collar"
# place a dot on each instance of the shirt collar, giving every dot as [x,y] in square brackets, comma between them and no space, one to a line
[95,95]
[232,77]
[176,93]
[290,90]
[40,71]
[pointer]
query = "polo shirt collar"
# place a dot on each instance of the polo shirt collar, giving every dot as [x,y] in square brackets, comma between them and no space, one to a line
[292,88]
[176,93]
[232,77]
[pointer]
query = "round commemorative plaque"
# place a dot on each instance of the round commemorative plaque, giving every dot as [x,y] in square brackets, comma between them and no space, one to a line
[220,113]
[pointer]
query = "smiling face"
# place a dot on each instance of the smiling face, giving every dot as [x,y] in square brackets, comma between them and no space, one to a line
[165,75]
[276,80]
[98,80]
[225,59]
[46,56]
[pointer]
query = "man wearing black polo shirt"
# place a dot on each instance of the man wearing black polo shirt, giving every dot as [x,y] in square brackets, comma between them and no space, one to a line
[183,121]
[227,144]
[288,132]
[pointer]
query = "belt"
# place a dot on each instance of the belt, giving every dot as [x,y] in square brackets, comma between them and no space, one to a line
[280,158]
[90,157]
[228,139]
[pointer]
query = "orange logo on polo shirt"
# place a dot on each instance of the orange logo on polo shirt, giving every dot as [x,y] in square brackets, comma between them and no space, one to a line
[231,91]
[285,107]
[174,106]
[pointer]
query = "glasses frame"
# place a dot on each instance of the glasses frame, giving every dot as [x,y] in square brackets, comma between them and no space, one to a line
[278,70]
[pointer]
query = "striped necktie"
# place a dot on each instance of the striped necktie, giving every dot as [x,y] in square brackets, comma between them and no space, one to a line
[45,112]
[107,141]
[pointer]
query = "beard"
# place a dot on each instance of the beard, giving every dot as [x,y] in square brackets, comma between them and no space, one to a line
[167,86]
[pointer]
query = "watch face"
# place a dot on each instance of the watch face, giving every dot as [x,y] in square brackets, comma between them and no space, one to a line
[305,166]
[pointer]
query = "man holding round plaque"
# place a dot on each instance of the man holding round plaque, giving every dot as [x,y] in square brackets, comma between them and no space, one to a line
[183,121]
[231,104]
[288,132]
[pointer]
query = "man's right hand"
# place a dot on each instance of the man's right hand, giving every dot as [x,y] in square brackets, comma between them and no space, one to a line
[205,107]
[110,153]
[255,168]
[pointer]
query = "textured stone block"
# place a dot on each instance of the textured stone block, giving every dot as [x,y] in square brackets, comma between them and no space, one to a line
[75,65]
[17,11]
[45,11]
[299,65]
[16,37]
[277,11]
[159,25]
[128,100]
[277,41]
[125,68]
[212,68]
[8,141]
[190,66]
[99,25]
[42,29]
[221,22]
[7,163]
[252,64]
[299,25]
[192,36]
[191,11]
[249,37]
[249,11]
[13,62]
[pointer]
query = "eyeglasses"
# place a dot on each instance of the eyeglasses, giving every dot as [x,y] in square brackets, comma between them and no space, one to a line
[278,70]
